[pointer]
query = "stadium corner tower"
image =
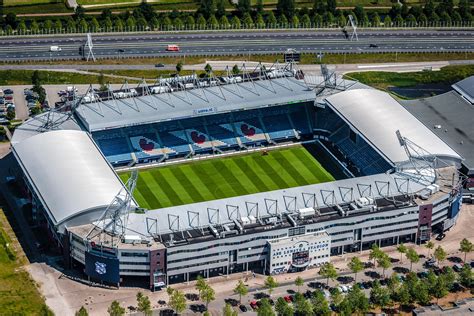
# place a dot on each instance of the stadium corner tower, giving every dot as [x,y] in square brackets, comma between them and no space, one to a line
[397,181]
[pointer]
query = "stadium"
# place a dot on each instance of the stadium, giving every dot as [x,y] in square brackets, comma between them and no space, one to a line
[271,171]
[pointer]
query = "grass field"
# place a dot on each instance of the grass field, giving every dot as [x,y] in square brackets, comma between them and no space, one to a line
[19,77]
[18,293]
[383,80]
[232,176]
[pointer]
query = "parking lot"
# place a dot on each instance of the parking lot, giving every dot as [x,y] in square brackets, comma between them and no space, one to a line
[64,295]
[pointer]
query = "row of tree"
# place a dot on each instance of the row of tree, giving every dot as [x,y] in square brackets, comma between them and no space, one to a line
[212,14]
[413,290]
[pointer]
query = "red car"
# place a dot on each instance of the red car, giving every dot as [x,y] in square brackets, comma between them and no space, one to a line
[287,298]
[254,304]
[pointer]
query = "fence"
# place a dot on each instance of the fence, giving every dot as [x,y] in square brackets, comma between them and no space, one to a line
[229,27]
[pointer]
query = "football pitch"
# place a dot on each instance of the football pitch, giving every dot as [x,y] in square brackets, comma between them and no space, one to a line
[219,178]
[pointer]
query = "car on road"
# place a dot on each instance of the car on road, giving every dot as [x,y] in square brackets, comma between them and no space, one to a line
[373,45]
[172,48]
[243,308]
[440,236]
[160,65]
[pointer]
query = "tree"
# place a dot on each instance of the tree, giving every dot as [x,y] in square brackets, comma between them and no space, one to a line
[331,6]
[94,25]
[412,256]
[179,67]
[422,295]
[305,20]
[265,309]
[228,311]
[241,288]
[115,309]
[248,22]
[302,305]
[282,308]
[48,24]
[201,21]
[449,277]
[82,312]
[466,276]
[212,21]
[403,295]
[224,22]
[429,245]
[177,301]
[271,19]
[336,297]
[466,247]
[328,271]
[208,69]
[356,266]
[22,26]
[387,21]
[201,283]
[320,304]
[379,296]
[259,21]
[299,282]
[398,20]
[220,8]
[235,22]
[401,249]
[131,23]
[102,83]
[358,300]
[11,19]
[319,7]
[118,24]
[190,22]
[259,6]
[375,252]
[178,23]
[270,284]
[384,263]
[439,254]
[58,26]
[144,304]
[79,13]
[243,6]
[440,290]
[207,7]
[208,295]
[286,6]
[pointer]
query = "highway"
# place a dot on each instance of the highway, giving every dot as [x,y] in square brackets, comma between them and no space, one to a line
[232,43]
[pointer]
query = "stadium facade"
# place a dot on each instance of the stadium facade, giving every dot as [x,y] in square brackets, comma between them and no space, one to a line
[397,180]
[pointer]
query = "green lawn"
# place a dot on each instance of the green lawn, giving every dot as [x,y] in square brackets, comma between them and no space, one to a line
[18,293]
[232,176]
[383,80]
[19,77]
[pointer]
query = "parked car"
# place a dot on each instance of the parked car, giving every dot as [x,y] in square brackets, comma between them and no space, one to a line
[287,298]
[8,91]
[254,305]
[457,267]
[440,236]
[243,308]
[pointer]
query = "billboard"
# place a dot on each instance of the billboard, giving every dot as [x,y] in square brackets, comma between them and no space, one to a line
[104,268]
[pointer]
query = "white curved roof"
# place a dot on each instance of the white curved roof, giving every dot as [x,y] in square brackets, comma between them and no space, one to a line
[68,173]
[377,116]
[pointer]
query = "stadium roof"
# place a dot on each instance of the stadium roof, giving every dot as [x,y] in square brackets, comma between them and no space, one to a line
[181,104]
[42,123]
[465,88]
[377,116]
[454,118]
[68,173]
[327,193]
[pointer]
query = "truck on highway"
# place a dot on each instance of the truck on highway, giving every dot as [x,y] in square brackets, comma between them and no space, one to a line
[172,48]
[55,48]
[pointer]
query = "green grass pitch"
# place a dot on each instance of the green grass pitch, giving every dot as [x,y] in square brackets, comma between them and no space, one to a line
[226,177]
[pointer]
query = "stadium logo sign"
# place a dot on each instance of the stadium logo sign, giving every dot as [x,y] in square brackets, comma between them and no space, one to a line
[100,268]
